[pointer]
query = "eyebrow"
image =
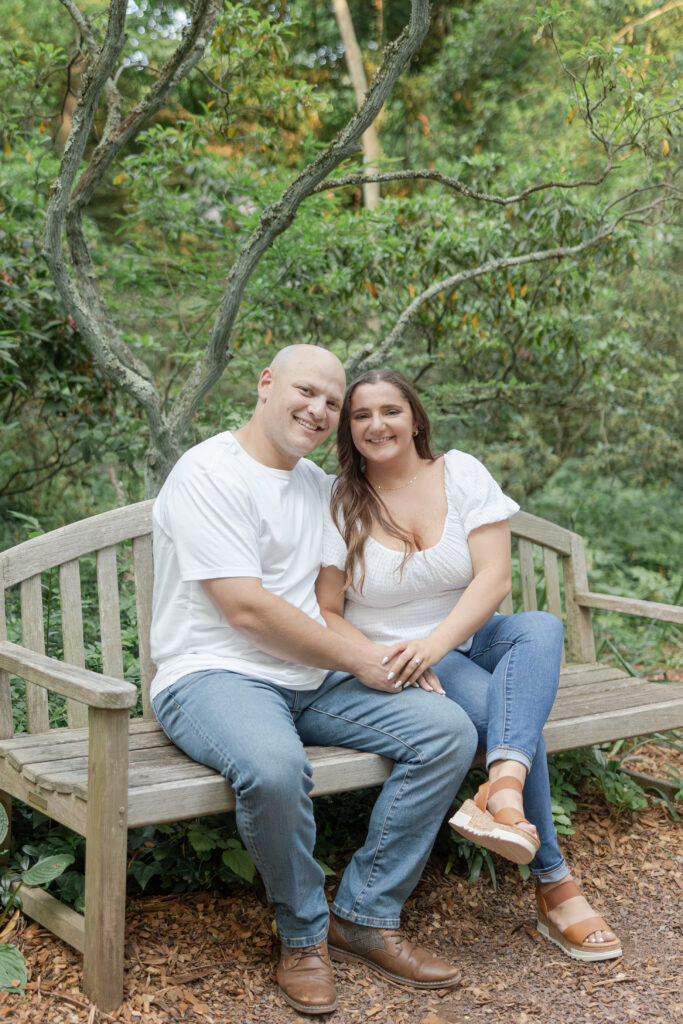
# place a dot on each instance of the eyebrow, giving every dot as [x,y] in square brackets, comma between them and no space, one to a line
[387,405]
[302,383]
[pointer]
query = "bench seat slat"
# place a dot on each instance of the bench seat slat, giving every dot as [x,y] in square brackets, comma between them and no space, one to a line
[163,782]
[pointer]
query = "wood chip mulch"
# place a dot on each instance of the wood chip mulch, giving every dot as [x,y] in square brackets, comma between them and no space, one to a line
[210,959]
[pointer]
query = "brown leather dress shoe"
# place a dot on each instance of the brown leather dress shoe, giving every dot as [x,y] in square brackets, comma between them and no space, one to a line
[391,954]
[305,977]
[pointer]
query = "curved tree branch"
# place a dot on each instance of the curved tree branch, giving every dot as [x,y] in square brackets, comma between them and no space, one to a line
[279,215]
[371,355]
[429,174]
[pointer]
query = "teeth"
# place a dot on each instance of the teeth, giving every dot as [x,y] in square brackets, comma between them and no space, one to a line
[306,423]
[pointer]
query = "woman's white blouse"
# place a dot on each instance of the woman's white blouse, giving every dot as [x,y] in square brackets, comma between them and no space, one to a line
[408,603]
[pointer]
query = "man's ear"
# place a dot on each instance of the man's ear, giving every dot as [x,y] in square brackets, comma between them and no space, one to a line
[264,383]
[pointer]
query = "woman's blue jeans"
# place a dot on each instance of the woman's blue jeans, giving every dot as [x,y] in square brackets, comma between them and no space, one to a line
[507,683]
[254,732]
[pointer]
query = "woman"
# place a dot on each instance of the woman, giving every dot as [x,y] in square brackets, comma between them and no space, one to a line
[417,548]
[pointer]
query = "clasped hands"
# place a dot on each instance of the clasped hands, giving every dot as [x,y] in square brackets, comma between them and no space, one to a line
[405,663]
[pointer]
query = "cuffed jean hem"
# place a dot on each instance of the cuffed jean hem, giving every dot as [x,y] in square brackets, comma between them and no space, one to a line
[369,922]
[501,753]
[553,875]
[299,943]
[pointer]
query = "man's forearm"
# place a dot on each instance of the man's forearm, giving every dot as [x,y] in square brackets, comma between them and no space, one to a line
[278,628]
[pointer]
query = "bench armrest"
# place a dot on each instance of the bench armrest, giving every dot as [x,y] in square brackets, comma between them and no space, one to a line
[631,606]
[91,688]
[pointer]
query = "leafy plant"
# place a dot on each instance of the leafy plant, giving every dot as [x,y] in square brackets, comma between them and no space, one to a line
[13,972]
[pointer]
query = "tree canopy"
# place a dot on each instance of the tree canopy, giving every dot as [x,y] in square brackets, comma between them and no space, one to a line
[181,195]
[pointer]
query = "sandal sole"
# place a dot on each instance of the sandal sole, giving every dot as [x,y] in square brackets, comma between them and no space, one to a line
[550,931]
[479,827]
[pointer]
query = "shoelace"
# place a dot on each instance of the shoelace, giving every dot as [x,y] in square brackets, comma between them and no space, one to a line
[304,951]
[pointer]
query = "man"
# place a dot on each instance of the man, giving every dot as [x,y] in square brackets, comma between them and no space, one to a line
[242,655]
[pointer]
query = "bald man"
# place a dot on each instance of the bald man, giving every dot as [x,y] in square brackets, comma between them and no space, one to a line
[247,674]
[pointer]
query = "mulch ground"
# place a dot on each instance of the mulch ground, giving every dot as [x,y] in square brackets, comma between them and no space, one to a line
[210,959]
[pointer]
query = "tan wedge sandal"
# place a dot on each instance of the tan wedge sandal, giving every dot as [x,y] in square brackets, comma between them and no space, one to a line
[499,832]
[572,939]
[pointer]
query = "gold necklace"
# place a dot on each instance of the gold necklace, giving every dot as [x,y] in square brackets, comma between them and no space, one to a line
[378,487]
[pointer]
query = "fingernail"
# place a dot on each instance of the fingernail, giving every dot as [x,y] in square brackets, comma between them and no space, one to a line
[385,660]
[431,688]
[390,677]
[396,685]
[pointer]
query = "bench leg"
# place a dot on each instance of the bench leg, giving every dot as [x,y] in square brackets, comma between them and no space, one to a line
[105,857]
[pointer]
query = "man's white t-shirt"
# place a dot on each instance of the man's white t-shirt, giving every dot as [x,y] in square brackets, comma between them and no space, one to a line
[222,514]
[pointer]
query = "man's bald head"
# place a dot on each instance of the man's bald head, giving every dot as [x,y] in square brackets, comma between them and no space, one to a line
[301,357]
[299,400]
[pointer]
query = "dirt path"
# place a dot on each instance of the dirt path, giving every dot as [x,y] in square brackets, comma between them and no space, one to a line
[210,960]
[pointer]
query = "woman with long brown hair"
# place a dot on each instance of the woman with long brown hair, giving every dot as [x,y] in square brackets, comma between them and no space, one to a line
[417,549]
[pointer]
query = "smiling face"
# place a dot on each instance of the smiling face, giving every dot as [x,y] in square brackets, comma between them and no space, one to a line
[300,398]
[382,423]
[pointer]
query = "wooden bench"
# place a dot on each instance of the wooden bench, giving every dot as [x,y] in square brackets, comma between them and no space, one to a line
[107,771]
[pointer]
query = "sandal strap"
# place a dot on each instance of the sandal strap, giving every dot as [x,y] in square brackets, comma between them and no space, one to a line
[505,782]
[482,796]
[564,891]
[578,932]
[488,789]
[509,816]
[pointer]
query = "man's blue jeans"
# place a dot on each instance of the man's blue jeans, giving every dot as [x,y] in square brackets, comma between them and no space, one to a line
[507,683]
[253,732]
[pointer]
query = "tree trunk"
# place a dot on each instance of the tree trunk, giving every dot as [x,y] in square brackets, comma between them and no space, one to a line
[354,62]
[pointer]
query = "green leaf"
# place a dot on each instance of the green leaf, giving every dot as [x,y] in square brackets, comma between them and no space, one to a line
[327,870]
[241,863]
[47,869]
[4,823]
[13,973]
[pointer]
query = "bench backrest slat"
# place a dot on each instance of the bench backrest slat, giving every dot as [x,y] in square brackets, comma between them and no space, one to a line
[143,572]
[72,632]
[110,613]
[580,638]
[6,721]
[33,637]
[551,570]
[527,575]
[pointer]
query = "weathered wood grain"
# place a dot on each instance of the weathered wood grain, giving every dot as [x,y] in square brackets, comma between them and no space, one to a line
[541,531]
[93,689]
[73,541]
[106,839]
[631,606]
[580,639]
[72,632]
[33,637]
[527,575]
[143,569]
[110,614]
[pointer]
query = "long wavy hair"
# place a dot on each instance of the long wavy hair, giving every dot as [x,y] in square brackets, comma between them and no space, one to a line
[355,502]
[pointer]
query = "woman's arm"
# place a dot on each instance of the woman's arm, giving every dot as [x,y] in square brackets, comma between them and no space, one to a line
[329,589]
[490,553]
